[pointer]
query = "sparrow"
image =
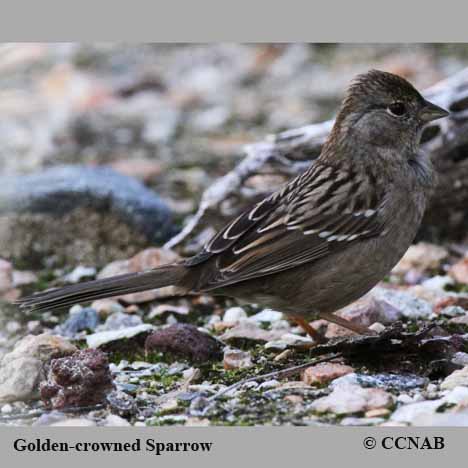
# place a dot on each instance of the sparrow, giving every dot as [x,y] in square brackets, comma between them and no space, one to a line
[325,238]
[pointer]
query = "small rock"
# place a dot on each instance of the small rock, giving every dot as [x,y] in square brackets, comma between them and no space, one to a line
[457,301]
[294,399]
[455,379]
[80,273]
[86,319]
[80,215]
[249,330]
[401,304]
[377,413]
[164,308]
[112,420]
[6,409]
[283,355]
[350,421]
[459,271]
[145,260]
[353,399]
[82,379]
[121,403]
[185,340]
[120,320]
[457,396]
[377,327]
[460,359]
[448,419]
[22,369]
[453,311]
[287,340]
[325,372]
[74,422]
[422,257]
[269,384]
[234,315]
[411,413]
[236,359]
[23,278]
[267,315]
[437,283]
[105,307]
[101,338]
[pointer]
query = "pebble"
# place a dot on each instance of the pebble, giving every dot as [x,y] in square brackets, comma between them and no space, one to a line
[84,319]
[234,315]
[269,384]
[119,320]
[404,304]
[82,379]
[266,315]
[6,409]
[283,355]
[453,311]
[459,271]
[422,257]
[121,403]
[367,421]
[237,359]
[80,273]
[287,340]
[460,359]
[101,338]
[74,422]
[410,413]
[22,369]
[185,340]
[455,379]
[107,215]
[323,373]
[113,420]
[348,399]
[105,307]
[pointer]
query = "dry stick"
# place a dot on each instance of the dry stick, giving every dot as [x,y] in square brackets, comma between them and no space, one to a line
[279,374]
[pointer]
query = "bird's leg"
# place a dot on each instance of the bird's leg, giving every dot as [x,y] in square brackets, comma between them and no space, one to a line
[356,328]
[304,324]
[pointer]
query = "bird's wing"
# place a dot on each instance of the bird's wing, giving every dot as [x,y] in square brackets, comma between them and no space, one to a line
[318,213]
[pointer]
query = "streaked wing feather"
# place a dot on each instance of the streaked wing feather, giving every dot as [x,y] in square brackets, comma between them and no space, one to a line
[318,213]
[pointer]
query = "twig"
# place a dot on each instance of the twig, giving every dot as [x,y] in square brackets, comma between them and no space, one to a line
[276,374]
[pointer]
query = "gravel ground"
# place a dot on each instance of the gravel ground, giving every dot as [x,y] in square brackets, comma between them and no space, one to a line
[173,118]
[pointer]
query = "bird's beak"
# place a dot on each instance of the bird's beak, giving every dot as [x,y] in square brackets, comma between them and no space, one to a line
[431,112]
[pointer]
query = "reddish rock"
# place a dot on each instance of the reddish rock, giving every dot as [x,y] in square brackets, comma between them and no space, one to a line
[459,271]
[184,340]
[82,379]
[325,372]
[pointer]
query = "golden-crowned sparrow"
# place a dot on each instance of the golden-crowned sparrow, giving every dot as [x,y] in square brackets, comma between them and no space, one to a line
[325,238]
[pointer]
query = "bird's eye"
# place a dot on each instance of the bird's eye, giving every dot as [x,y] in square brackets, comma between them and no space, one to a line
[397,108]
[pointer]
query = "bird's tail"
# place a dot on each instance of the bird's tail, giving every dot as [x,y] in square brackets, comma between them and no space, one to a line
[167,275]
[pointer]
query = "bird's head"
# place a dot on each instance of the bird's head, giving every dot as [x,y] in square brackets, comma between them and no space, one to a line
[384,110]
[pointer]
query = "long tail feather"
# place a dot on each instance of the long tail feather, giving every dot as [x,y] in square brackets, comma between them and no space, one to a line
[101,289]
